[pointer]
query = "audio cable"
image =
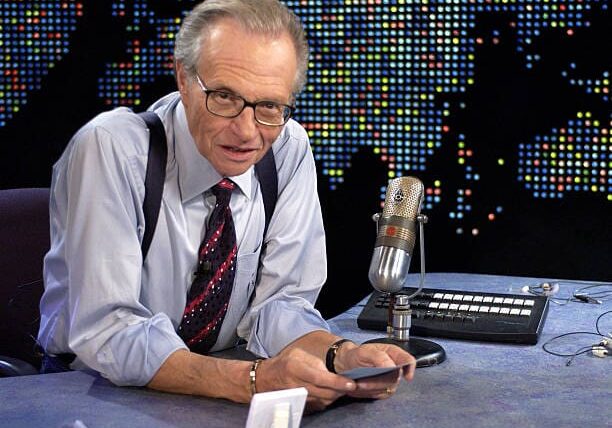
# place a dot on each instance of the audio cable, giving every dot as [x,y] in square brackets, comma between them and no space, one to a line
[591,293]
[600,349]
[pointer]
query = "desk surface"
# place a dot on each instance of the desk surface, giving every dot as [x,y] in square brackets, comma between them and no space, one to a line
[479,385]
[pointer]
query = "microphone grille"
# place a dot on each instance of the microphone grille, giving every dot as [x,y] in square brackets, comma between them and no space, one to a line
[404,198]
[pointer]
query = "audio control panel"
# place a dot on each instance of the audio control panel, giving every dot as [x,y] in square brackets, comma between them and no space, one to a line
[460,314]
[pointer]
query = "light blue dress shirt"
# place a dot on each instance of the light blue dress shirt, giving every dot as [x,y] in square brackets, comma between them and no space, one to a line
[118,316]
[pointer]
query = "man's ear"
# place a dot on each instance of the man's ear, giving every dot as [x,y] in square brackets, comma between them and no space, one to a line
[181,79]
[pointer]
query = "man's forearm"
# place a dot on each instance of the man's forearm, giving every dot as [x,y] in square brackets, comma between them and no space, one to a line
[190,373]
[186,372]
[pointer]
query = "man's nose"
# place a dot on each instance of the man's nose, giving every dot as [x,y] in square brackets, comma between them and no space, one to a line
[245,125]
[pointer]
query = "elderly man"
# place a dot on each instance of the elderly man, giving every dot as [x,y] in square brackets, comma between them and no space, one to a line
[215,272]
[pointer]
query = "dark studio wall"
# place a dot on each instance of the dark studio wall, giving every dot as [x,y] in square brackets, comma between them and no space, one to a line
[502,110]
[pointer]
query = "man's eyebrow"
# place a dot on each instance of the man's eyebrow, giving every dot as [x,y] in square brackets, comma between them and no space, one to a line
[224,88]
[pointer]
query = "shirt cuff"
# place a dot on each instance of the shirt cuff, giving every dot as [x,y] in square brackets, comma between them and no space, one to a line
[134,356]
[279,323]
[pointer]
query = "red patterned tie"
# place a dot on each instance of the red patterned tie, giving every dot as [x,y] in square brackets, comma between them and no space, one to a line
[211,289]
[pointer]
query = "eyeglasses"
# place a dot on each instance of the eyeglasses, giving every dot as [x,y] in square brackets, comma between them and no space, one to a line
[226,104]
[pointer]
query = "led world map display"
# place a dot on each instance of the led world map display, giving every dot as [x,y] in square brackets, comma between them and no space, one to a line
[501,108]
[384,75]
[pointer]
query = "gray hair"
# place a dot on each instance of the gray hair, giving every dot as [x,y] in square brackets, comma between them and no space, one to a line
[269,17]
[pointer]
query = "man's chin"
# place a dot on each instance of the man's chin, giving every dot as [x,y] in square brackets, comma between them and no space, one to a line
[232,169]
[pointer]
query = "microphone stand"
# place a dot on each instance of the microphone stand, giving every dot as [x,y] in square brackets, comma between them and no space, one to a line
[426,352]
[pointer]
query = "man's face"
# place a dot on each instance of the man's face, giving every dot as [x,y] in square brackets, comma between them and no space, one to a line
[255,67]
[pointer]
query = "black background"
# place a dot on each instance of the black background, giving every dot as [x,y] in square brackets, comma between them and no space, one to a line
[561,238]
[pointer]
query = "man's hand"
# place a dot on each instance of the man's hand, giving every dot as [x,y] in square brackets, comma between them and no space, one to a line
[295,367]
[350,356]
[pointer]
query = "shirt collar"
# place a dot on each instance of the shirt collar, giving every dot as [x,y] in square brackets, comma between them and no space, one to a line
[195,172]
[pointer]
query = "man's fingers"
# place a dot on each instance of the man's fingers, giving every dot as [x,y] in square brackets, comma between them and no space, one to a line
[379,382]
[326,380]
[399,356]
[379,393]
[408,371]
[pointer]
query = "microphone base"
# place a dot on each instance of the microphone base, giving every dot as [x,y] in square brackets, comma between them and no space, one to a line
[426,352]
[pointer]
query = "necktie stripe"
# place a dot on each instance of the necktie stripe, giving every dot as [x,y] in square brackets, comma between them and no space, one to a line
[211,242]
[204,332]
[226,184]
[223,269]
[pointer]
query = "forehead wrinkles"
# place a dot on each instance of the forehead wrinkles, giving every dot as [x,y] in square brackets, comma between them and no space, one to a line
[241,78]
[239,59]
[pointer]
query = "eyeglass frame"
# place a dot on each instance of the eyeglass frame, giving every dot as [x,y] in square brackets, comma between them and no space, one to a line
[245,104]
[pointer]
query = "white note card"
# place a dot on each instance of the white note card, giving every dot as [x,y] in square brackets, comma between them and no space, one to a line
[277,409]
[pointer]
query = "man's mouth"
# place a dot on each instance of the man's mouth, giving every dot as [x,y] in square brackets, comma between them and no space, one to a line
[239,154]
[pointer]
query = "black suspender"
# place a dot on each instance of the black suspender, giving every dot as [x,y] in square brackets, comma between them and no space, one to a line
[266,173]
[156,174]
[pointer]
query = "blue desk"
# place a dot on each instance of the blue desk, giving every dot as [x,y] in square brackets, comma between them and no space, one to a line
[480,384]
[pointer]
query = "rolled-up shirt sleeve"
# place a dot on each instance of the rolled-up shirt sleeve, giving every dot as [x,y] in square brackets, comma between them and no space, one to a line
[110,330]
[293,262]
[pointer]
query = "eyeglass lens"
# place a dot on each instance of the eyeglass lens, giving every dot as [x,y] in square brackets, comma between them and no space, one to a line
[229,105]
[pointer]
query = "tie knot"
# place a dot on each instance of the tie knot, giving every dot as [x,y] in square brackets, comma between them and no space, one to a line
[223,188]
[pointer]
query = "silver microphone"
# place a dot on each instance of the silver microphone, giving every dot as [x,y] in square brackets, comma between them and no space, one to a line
[396,234]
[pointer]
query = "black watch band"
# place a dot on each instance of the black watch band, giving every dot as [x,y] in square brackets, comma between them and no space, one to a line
[330,357]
